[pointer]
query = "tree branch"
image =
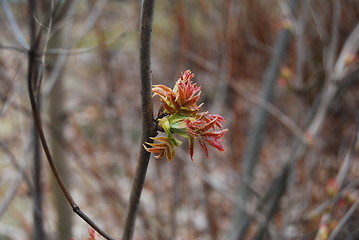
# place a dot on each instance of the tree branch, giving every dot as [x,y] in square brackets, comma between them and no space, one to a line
[33,80]
[148,123]
[241,220]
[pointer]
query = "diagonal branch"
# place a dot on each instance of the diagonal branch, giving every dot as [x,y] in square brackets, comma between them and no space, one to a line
[13,24]
[33,78]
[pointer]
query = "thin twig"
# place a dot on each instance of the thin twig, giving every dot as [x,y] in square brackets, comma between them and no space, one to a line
[351,46]
[241,220]
[324,206]
[340,180]
[16,164]
[342,222]
[13,24]
[91,19]
[16,88]
[14,48]
[331,52]
[346,165]
[32,82]
[221,189]
[64,51]
[334,77]
[299,32]
[10,194]
[148,123]
[272,109]
[344,169]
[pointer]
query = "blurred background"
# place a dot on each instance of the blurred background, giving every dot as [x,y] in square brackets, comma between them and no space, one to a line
[284,75]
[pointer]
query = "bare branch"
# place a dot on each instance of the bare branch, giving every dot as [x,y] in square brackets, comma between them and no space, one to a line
[342,222]
[148,123]
[273,110]
[64,51]
[10,194]
[345,167]
[351,45]
[332,50]
[331,87]
[33,80]
[16,164]
[14,48]
[13,24]
[91,19]
[255,138]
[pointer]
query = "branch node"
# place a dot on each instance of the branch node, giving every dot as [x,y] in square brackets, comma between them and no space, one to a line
[76,209]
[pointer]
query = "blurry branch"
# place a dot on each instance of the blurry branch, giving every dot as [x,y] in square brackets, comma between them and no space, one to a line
[327,96]
[272,200]
[241,220]
[340,178]
[13,24]
[59,12]
[351,46]
[107,187]
[10,194]
[331,52]
[339,184]
[324,206]
[345,219]
[299,31]
[55,38]
[55,63]
[200,61]
[338,74]
[16,164]
[273,110]
[253,41]
[9,97]
[320,26]
[253,98]
[65,51]
[345,167]
[351,75]
[87,27]
[247,95]
[33,80]
[222,189]
[326,217]
[148,124]
[109,42]
[91,20]
[210,214]
[14,48]
[335,77]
